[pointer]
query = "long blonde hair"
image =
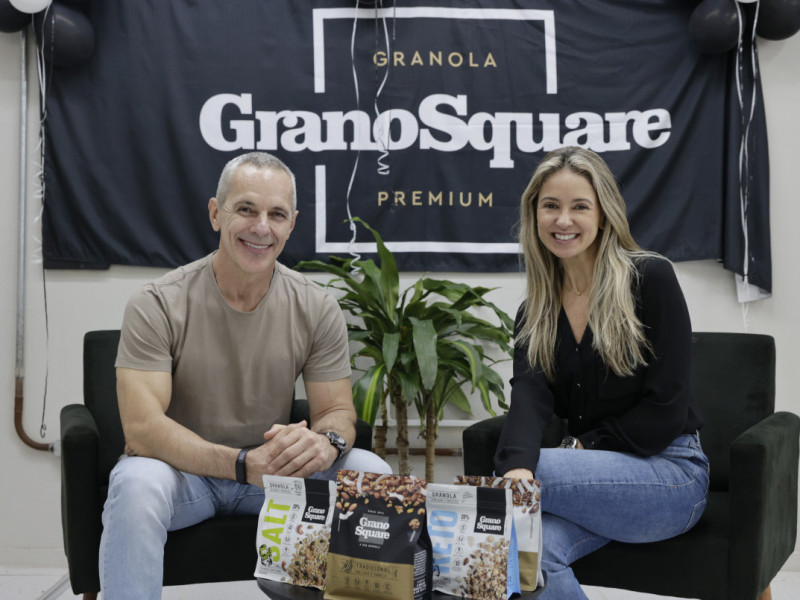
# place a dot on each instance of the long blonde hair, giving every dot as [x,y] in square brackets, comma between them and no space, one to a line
[619,336]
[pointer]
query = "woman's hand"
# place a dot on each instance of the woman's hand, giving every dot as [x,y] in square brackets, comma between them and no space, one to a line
[519,474]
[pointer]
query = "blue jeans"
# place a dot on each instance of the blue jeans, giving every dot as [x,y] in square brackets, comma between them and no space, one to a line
[147,498]
[590,497]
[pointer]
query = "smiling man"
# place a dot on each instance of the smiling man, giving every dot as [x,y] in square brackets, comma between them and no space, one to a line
[206,368]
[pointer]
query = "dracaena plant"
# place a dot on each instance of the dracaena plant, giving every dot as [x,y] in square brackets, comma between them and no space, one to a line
[420,347]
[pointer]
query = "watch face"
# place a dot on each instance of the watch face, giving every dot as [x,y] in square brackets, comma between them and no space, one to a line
[337,441]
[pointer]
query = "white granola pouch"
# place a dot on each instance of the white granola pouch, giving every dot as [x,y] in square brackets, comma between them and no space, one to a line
[471,536]
[294,529]
[526,496]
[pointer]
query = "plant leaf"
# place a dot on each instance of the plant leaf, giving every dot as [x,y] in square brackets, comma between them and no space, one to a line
[487,404]
[391,342]
[458,398]
[390,279]
[472,355]
[409,385]
[368,393]
[424,335]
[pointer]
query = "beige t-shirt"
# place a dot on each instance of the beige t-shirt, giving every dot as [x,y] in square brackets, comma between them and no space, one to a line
[233,373]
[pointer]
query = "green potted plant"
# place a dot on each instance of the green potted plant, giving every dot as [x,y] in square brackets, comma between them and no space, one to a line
[422,346]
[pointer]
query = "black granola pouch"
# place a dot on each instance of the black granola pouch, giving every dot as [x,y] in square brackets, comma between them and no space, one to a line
[379,540]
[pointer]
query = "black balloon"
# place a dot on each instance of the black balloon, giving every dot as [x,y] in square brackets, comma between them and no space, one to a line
[12,19]
[66,35]
[714,26]
[778,19]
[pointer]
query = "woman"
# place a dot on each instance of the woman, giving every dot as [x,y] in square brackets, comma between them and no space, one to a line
[602,340]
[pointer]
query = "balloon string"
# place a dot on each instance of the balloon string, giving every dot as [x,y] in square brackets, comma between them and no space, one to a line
[746,119]
[351,244]
[739,67]
[383,137]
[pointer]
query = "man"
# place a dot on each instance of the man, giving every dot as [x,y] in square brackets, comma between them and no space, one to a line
[208,358]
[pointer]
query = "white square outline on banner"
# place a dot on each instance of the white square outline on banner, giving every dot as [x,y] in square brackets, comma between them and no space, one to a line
[319,15]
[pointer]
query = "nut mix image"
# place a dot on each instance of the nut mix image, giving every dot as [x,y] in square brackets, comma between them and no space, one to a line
[525,493]
[310,558]
[403,494]
[486,576]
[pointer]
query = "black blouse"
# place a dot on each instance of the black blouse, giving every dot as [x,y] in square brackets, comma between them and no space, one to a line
[642,413]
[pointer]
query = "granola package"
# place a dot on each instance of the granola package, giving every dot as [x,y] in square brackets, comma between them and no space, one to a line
[471,531]
[294,530]
[526,495]
[379,541]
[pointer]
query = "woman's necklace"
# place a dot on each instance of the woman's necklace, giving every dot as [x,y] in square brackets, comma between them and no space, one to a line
[575,291]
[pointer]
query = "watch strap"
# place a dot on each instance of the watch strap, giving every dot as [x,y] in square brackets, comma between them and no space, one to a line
[241,466]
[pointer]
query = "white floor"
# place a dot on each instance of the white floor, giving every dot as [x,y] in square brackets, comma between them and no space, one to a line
[49,584]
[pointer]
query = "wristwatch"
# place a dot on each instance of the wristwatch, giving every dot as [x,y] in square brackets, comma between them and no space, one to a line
[569,442]
[336,441]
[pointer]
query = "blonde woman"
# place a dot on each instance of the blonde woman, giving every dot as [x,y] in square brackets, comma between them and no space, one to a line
[603,340]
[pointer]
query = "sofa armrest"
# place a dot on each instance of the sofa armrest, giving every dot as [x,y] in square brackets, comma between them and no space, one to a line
[363,435]
[80,495]
[480,442]
[763,492]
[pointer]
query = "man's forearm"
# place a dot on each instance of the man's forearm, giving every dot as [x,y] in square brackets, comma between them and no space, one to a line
[144,397]
[342,422]
[331,405]
[168,441]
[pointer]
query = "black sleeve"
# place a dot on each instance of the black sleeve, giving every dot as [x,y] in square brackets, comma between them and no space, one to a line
[661,413]
[531,408]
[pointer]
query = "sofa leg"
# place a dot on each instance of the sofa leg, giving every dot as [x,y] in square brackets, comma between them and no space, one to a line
[90,596]
[767,595]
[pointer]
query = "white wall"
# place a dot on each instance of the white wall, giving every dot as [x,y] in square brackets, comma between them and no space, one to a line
[77,301]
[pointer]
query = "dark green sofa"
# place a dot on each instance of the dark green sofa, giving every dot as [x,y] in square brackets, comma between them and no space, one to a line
[220,549]
[749,527]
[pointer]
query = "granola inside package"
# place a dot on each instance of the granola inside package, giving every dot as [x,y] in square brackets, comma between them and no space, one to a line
[471,531]
[380,548]
[294,530]
[526,496]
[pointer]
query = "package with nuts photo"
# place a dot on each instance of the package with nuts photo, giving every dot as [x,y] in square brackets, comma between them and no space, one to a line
[294,530]
[526,494]
[471,531]
[379,539]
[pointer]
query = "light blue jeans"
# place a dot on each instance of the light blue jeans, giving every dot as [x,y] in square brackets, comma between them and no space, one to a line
[147,498]
[590,497]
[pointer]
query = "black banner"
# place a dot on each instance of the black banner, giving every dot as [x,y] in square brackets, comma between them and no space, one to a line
[425,119]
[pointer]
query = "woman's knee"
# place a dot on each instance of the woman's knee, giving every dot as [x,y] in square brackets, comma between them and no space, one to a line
[564,542]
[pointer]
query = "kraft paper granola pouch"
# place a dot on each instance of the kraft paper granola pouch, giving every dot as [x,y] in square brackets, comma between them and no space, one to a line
[379,540]
[471,531]
[294,530]
[526,496]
